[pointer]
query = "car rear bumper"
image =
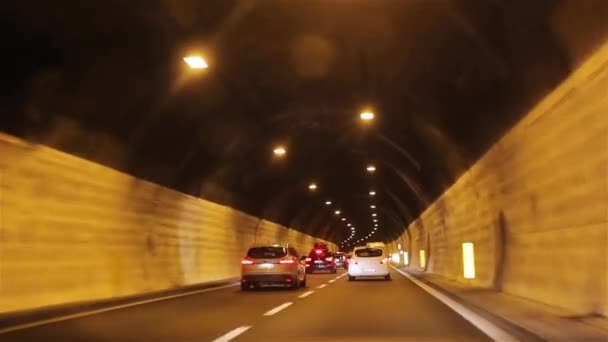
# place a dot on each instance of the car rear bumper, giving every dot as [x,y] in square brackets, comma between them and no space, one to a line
[286,278]
[376,272]
[320,267]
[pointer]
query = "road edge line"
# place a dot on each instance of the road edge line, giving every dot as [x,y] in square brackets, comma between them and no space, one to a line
[486,326]
[107,309]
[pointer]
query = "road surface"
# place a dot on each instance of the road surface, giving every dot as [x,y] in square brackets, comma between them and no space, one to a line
[330,309]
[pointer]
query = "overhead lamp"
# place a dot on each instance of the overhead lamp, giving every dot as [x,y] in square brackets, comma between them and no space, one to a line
[327,202]
[279,151]
[366,116]
[337,212]
[374,214]
[371,168]
[372,206]
[375,220]
[372,193]
[312,186]
[348,224]
[196,62]
[343,219]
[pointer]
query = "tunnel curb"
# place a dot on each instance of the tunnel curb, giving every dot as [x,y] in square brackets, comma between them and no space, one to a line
[12,320]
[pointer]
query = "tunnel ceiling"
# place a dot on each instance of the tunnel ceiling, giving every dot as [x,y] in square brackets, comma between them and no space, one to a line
[105,80]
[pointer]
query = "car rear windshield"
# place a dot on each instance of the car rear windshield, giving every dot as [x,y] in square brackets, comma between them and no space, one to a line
[266,252]
[319,245]
[319,253]
[368,252]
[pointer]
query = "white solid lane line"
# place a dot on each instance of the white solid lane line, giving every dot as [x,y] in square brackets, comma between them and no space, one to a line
[232,334]
[331,281]
[490,329]
[321,286]
[277,309]
[306,294]
[112,308]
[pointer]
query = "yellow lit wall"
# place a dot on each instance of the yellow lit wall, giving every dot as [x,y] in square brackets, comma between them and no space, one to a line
[536,204]
[72,230]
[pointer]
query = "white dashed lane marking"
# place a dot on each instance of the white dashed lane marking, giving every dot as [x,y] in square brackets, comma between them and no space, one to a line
[232,334]
[306,294]
[321,286]
[277,309]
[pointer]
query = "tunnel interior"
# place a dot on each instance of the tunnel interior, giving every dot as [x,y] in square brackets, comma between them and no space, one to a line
[444,79]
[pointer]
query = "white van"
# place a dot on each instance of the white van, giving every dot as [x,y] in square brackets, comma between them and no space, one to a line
[369,261]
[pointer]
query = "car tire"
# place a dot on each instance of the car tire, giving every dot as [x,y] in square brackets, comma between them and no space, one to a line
[245,287]
[387,277]
[351,278]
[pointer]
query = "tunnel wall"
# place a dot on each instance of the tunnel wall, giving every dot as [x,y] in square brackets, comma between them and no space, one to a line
[74,231]
[535,205]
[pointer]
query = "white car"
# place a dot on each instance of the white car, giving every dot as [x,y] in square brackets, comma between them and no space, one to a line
[369,262]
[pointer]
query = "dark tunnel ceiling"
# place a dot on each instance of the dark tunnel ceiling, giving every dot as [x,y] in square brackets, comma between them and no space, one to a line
[105,80]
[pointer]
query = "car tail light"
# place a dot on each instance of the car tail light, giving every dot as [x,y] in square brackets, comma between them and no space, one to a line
[308,259]
[247,262]
[385,260]
[286,261]
[329,259]
[307,265]
[318,251]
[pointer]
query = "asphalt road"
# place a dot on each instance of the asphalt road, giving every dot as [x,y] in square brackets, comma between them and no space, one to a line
[330,309]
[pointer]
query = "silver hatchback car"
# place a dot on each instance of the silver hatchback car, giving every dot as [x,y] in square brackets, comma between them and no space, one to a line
[269,265]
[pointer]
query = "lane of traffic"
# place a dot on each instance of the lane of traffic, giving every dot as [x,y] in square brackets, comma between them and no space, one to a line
[366,310]
[202,317]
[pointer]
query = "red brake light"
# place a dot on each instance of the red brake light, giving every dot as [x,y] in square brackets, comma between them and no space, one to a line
[247,262]
[308,259]
[329,259]
[286,261]
[384,260]
[318,251]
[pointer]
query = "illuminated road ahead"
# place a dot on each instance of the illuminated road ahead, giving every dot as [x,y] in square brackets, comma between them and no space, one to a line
[330,309]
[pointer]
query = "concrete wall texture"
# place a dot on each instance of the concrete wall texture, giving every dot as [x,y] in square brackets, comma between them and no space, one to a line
[72,231]
[535,205]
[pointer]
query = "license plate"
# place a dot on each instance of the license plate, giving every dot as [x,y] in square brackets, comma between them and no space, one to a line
[266,265]
[318,261]
[370,270]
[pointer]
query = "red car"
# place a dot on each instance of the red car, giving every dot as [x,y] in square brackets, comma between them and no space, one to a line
[320,259]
